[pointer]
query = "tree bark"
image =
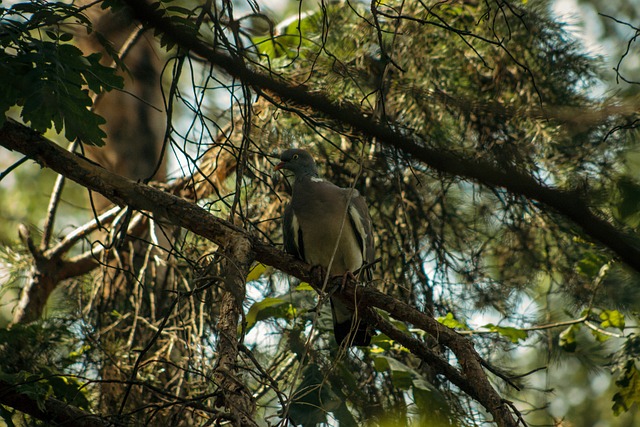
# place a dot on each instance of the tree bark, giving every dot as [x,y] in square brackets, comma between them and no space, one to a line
[570,203]
[225,234]
[233,395]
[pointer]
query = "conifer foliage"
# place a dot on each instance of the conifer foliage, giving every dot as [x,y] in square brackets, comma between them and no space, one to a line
[503,193]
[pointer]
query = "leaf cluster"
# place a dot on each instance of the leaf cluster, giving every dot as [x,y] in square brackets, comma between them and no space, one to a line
[46,76]
[36,361]
[477,79]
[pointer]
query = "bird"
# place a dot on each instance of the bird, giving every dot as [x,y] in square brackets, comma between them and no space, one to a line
[329,226]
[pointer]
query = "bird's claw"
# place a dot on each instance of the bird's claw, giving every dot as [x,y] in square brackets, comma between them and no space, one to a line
[343,283]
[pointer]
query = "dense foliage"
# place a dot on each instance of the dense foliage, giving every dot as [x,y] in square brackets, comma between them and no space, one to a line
[139,309]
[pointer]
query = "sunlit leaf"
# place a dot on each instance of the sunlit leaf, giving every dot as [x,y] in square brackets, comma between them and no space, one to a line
[612,319]
[567,338]
[304,286]
[452,322]
[514,334]
[256,272]
[599,336]
[268,308]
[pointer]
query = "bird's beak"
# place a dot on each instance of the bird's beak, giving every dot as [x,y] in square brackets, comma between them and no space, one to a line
[279,166]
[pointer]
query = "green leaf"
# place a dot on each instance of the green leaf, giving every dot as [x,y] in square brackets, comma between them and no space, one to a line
[402,376]
[313,398]
[304,286]
[514,334]
[6,416]
[380,363]
[567,338]
[628,206]
[612,319]
[66,37]
[48,80]
[382,341]
[46,384]
[629,389]
[591,264]
[267,308]
[25,7]
[256,272]
[293,38]
[100,78]
[434,409]
[599,336]
[451,322]
[68,390]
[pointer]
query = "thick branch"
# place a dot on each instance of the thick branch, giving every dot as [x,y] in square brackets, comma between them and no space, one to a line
[570,204]
[180,212]
[46,272]
[474,381]
[50,267]
[234,395]
[120,190]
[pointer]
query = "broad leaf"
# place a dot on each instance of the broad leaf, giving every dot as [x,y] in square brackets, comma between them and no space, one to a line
[514,334]
[267,308]
[612,319]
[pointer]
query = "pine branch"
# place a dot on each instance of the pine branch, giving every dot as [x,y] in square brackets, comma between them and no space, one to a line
[180,212]
[570,204]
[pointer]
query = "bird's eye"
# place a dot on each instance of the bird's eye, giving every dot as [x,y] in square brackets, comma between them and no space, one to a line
[295,156]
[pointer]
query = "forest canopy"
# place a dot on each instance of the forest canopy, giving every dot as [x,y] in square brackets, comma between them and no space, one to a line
[142,274]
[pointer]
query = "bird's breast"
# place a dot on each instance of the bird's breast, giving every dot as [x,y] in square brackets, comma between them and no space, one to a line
[329,240]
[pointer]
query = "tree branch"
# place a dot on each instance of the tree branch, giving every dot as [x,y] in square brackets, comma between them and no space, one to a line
[571,204]
[234,395]
[45,274]
[182,213]
[49,266]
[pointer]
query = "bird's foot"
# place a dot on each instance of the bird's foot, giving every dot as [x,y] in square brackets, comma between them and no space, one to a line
[343,283]
[346,276]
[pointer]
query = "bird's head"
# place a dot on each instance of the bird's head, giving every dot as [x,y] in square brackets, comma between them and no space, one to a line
[297,161]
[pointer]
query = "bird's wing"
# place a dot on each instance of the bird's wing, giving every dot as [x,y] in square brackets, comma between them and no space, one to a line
[291,234]
[361,223]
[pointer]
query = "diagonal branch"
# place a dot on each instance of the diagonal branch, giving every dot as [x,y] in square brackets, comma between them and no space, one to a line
[571,204]
[182,213]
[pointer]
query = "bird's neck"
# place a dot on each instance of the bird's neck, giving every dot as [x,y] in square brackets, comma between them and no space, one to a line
[308,176]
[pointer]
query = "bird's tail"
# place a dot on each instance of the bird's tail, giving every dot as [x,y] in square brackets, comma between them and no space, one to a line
[347,328]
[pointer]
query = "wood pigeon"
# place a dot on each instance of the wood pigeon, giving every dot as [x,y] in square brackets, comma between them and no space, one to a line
[328,226]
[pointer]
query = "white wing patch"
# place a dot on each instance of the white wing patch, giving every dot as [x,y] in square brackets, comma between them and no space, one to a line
[316,179]
[357,221]
[295,227]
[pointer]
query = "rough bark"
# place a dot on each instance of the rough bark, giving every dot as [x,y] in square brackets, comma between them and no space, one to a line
[569,203]
[234,395]
[47,271]
[182,213]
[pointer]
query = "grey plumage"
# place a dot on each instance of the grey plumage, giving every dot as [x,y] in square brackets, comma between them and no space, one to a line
[328,226]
